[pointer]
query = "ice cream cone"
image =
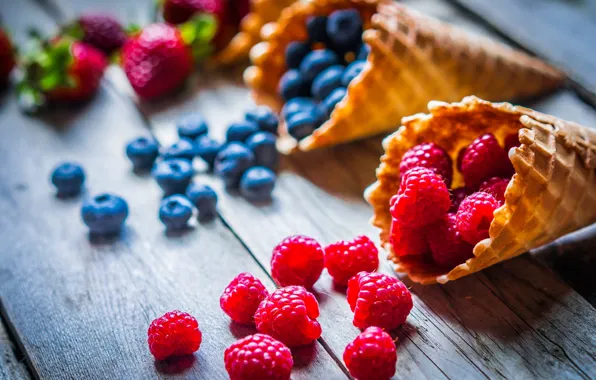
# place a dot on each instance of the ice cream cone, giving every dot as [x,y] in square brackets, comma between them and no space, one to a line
[552,193]
[413,60]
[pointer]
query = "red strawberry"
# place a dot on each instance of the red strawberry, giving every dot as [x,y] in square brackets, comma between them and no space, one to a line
[103,31]
[7,60]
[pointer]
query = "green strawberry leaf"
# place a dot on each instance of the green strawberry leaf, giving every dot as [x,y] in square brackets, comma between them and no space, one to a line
[198,33]
[132,29]
[74,30]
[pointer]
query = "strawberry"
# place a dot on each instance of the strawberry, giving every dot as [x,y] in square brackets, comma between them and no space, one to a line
[101,30]
[7,60]
[160,58]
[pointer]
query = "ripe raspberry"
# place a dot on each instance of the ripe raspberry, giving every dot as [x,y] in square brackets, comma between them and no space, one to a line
[496,187]
[242,297]
[345,259]
[7,57]
[457,197]
[475,215]
[297,260]
[258,356]
[371,356]
[289,315]
[446,244]
[511,141]
[378,300]
[485,158]
[174,334]
[407,241]
[102,31]
[431,156]
[460,158]
[422,198]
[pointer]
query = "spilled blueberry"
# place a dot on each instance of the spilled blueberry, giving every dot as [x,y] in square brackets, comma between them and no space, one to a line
[232,161]
[257,184]
[265,118]
[204,198]
[142,152]
[207,148]
[175,211]
[173,175]
[68,177]
[240,131]
[191,126]
[263,147]
[104,213]
[183,148]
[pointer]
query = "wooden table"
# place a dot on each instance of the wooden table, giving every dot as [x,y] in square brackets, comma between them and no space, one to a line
[72,308]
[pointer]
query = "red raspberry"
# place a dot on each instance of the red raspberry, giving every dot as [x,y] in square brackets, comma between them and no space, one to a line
[102,31]
[448,248]
[431,156]
[378,300]
[496,187]
[345,259]
[511,141]
[475,215]
[460,157]
[407,241]
[457,197]
[371,356]
[485,158]
[242,297]
[289,315]
[422,198]
[174,334]
[258,356]
[297,260]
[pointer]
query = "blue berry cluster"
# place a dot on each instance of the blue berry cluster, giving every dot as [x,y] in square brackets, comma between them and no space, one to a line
[317,79]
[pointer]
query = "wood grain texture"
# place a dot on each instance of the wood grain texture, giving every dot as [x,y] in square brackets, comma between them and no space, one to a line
[10,367]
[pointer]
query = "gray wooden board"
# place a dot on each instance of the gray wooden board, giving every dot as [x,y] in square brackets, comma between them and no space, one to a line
[10,366]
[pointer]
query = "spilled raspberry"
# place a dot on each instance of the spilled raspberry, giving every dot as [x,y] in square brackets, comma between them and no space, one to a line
[242,297]
[258,356]
[297,260]
[475,215]
[174,334]
[371,356]
[345,259]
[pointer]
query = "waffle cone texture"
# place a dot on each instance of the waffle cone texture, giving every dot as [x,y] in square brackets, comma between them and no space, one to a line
[552,193]
[413,60]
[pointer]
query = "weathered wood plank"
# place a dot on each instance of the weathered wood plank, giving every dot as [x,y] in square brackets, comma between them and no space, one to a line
[10,367]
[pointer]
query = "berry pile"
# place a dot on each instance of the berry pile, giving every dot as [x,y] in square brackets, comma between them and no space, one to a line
[430,220]
[320,70]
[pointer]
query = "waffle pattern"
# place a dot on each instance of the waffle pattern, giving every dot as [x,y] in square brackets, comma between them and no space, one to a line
[413,59]
[552,193]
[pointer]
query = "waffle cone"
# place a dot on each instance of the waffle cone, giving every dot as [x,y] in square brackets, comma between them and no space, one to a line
[552,193]
[413,60]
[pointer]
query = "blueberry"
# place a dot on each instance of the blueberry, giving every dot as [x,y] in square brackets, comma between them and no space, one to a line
[68,177]
[104,213]
[240,131]
[232,161]
[331,101]
[316,62]
[265,118]
[175,211]
[207,149]
[142,152]
[183,149]
[303,124]
[173,175]
[292,85]
[363,52]
[344,28]
[257,184]
[296,105]
[317,29]
[263,147]
[327,81]
[204,198]
[192,126]
[295,53]
[352,71]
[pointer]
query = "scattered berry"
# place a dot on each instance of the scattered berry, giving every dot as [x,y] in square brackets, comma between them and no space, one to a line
[316,62]
[7,57]
[496,187]
[327,81]
[68,177]
[431,156]
[363,52]
[175,212]
[207,148]
[295,53]
[331,101]
[292,85]
[241,131]
[174,334]
[371,356]
[511,141]
[316,27]
[102,31]
[265,118]
[191,126]
[258,356]
[173,176]
[142,152]
[262,145]
[378,300]
[344,28]
[457,197]
[179,11]
[297,105]
[422,198]
[475,215]
[289,315]
[257,183]
[345,259]
[232,161]
[204,198]
[242,297]
[104,213]
[183,149]
[297,260]
[446,244]
[407,241]
[352,71]
[483,159]
[303,124]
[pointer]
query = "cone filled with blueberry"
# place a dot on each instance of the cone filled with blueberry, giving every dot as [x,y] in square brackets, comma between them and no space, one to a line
[475,183]
[407,59]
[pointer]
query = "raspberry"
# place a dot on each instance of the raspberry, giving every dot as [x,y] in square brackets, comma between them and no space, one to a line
[345,259]
[174,334]
[242,297]
[496,187]
[371,356]
[260,357]
[511,141]
[407,241]
[485,158]
[475,215]
[457,197]
[289,315]
[431,156]
[460,158]
[422,198]
[446,244]
[378,300]
[297,260]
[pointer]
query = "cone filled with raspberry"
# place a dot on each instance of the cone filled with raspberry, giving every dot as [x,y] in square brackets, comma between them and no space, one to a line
[522,180]
[343,70]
